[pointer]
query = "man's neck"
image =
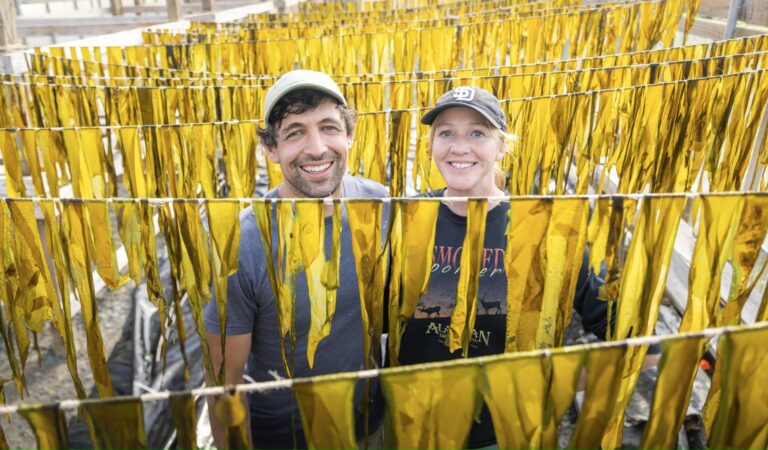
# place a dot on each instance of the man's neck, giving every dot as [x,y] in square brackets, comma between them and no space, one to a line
[285,191]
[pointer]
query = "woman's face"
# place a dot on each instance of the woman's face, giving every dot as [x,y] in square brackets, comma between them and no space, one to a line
[465,148]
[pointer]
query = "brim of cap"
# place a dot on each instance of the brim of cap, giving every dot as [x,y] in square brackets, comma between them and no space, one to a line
[430,117]
[305,85]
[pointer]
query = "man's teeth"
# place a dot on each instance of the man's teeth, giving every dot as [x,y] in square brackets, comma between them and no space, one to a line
[461,165]
[316,169]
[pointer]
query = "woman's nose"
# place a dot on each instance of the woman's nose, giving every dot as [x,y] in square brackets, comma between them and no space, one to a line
[460,145]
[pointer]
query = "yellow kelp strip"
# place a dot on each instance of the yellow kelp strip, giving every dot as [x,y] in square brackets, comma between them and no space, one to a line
[365,220]
[643,283]
[432,408]
[411,262]
[322,274]
[78,252]
[516,394]
[719,222]
[48,423]
[677,370]
[741,414]
[224,229]
[288,266]
[326,409]
[525,262]
[604,369]
[115,423]
[746,249]
[565,239]
[465,309]
[231,412]
[184,419]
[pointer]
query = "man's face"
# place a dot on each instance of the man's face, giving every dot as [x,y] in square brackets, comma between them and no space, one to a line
[312,152]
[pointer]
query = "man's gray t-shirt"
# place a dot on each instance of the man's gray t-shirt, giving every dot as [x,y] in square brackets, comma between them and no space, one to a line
[251,308]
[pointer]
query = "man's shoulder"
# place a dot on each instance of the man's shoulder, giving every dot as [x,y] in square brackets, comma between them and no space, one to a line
[359,187]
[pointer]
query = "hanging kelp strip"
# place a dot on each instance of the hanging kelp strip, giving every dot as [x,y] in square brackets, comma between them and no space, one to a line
[432,409]
[48,423]
[115,423]
[465,309]
[326,409]
[411,262]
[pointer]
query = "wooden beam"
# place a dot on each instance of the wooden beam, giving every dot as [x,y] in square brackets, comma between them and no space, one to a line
[174,9]
[84,25]
[9,39]
[209,5]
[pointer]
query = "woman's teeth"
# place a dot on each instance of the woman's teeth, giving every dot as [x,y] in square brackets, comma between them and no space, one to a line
[461,165]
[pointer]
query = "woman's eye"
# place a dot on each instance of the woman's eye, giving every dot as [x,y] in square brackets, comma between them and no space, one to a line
[477,133]
[445,133]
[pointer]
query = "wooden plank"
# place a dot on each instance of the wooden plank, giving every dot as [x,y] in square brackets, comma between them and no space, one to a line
[83,25]
[755,12]
[209,5]
[186,8]
[715,28]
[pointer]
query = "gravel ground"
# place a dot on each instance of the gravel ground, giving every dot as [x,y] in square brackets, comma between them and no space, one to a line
[48,379]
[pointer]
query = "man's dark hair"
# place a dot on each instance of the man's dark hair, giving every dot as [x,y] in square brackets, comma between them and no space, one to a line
[297,102]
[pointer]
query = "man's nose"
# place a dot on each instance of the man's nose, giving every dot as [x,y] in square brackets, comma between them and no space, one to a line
[315,143]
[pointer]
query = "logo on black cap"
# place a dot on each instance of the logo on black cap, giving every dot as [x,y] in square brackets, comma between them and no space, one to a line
[464,94]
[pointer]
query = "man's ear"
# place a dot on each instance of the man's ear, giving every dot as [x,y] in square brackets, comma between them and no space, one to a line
[271,154]
[350,139]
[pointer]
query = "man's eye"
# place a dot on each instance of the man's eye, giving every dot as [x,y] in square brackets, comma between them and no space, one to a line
[293,134]
[331,129]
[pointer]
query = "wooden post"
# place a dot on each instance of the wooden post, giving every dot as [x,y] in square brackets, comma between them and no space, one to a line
[209,5]
[8,37]
[174,10]
[116,7]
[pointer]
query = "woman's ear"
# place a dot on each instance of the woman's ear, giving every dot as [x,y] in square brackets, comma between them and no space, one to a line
[502,150]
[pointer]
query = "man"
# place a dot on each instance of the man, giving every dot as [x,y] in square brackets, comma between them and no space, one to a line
[308,131]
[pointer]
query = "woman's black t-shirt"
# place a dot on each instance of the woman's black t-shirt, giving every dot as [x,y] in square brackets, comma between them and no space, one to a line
[424,336]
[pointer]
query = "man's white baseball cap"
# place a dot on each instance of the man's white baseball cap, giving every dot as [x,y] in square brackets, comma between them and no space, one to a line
[301,79]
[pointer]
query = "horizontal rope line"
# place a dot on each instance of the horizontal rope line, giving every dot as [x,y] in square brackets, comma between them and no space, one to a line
[588,70]
[373,373]
[509,198]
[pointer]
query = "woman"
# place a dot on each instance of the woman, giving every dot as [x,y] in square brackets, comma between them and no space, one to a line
[468,137]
